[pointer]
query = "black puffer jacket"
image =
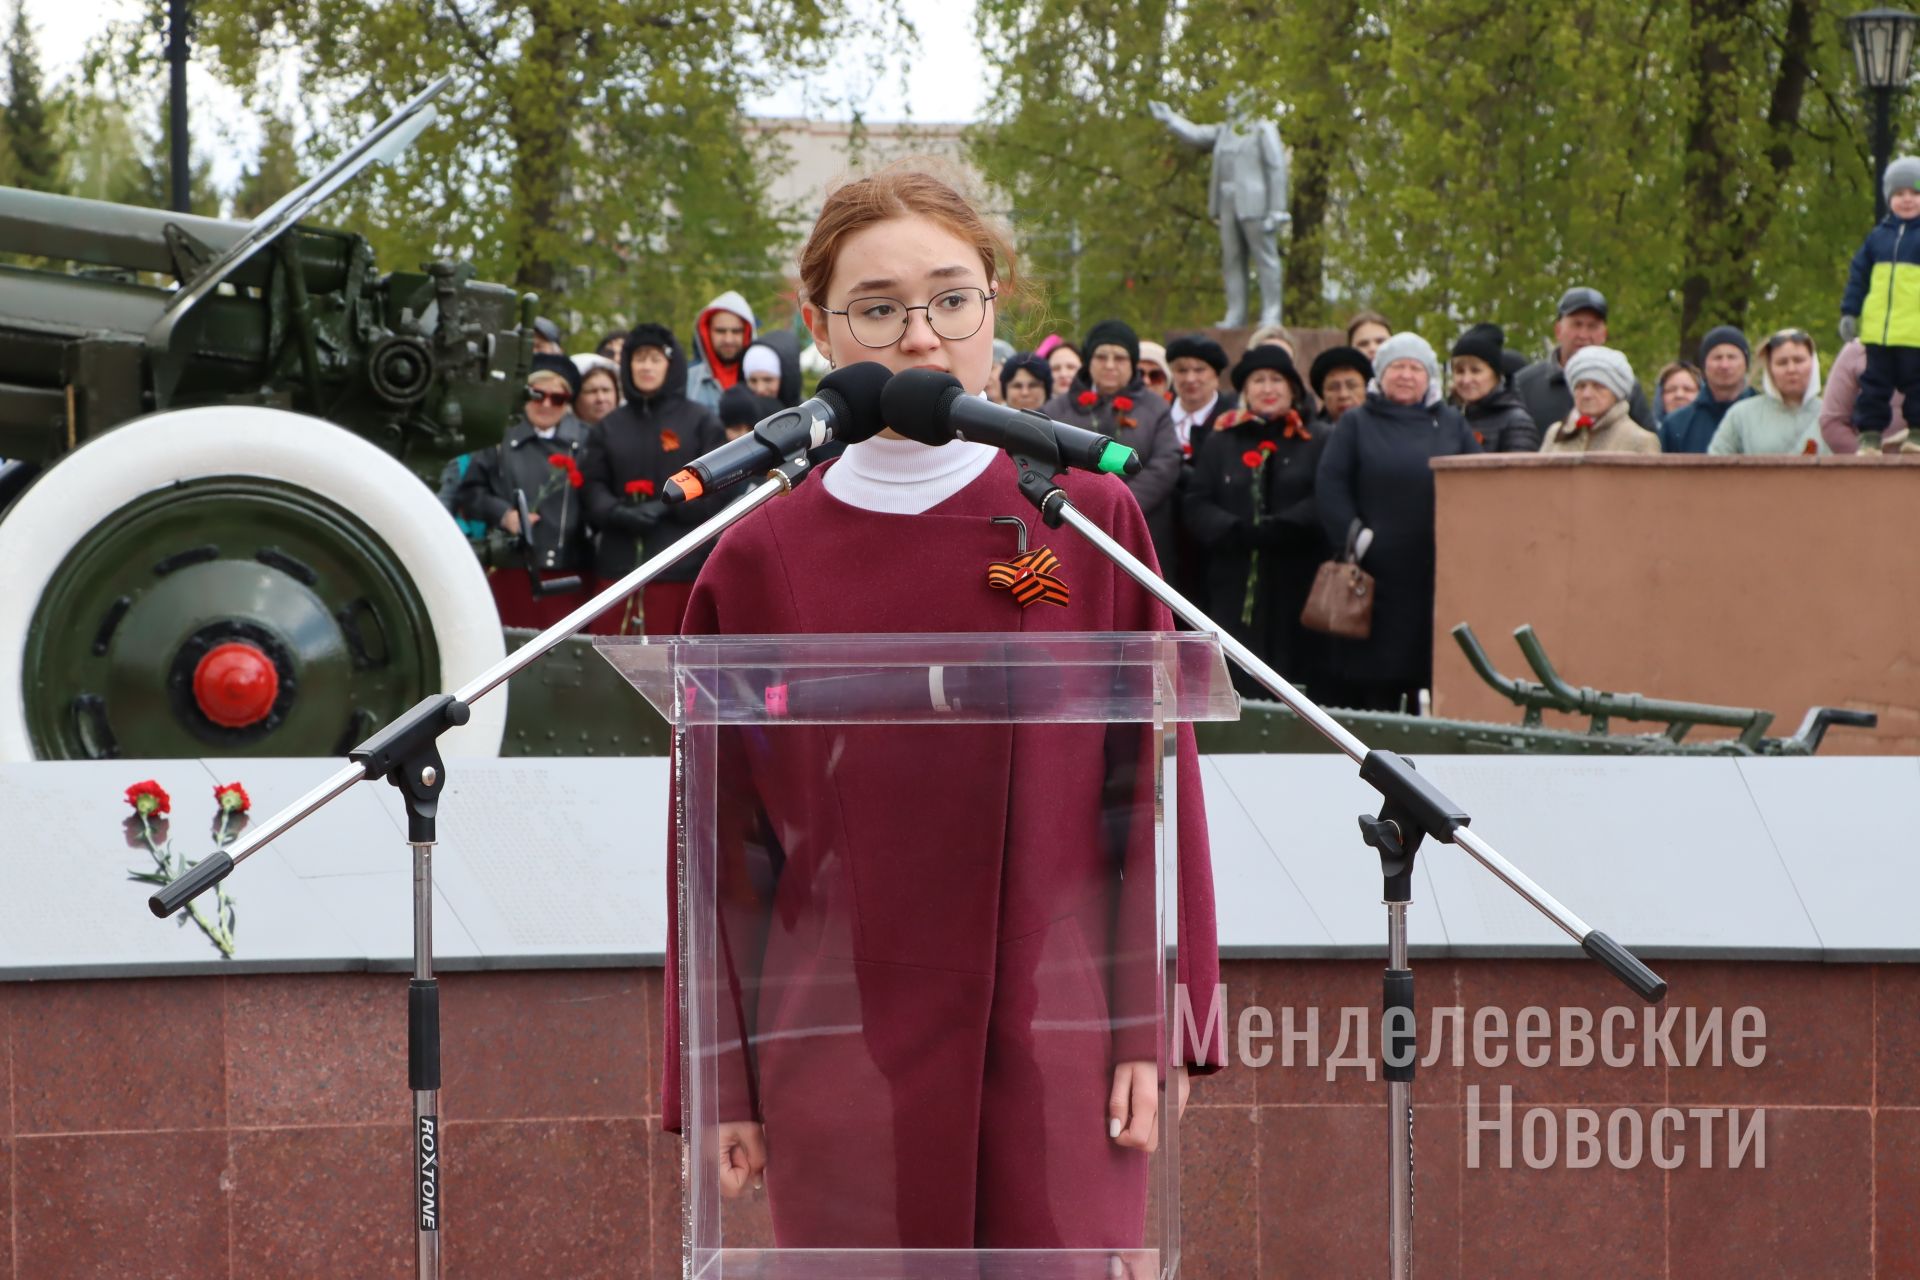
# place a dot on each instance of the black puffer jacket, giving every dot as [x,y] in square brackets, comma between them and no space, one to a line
[1501,424]
[648,438]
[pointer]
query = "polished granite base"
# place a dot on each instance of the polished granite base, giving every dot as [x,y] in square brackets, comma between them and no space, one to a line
[255,1126]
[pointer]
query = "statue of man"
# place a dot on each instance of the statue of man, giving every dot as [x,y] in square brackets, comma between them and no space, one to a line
[1247,193]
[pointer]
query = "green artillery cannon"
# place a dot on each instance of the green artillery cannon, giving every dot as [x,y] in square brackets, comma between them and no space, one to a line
[571,703]
[214,535]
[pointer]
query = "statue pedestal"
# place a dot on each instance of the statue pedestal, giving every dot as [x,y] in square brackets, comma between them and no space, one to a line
[1307,343]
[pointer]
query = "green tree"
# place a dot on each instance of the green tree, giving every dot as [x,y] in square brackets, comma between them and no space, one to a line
[27,124]
[274,172]
[1106,205]
[1701,161]
[591,150]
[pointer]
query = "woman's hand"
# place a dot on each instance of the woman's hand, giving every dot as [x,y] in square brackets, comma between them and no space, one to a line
[742,1149]
[1133,1106]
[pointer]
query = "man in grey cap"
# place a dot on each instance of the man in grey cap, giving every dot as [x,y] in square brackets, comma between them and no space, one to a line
[1542,385]
[546,338]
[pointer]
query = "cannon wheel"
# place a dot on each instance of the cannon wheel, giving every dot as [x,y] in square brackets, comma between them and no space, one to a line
[233,581]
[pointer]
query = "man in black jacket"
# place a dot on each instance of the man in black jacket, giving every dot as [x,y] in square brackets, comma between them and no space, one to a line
[1542,385]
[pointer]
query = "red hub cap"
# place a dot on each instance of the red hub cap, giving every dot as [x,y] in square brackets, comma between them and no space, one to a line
[235,685]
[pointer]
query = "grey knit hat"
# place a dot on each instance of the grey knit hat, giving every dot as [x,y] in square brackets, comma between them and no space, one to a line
[1903,172]
[1603,365]
[1407,346]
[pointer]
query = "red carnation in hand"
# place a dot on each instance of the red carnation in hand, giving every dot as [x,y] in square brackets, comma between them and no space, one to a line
[147,797]
[1123,403]
[574,478]
[564,461]
[233,798]
[1252,458]
[1087,399]
[639,488]
[1268,446]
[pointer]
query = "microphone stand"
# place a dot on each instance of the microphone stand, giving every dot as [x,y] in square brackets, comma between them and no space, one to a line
[407,754]
[1411,809]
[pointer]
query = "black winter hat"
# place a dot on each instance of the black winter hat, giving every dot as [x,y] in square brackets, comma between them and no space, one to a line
[1339,358]
[646,334]
[1116,333]
[1511,362]
[1724,336]
[1268,356]
[552,363]
[1484,342]
[739,406]
[1032,363]
[1194,346]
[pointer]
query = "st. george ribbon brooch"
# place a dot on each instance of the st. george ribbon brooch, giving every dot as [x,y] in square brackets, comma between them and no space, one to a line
[1031,576]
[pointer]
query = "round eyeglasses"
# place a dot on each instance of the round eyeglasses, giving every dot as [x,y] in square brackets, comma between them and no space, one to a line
[954,315]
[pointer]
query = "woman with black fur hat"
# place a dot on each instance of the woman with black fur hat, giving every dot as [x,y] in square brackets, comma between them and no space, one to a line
[1340,376]
[1485,396]
[1107,396]
[1250,504]
[1025,381]
[630,455]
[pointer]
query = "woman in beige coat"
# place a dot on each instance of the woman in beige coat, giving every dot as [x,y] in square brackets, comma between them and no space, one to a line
[1602,383]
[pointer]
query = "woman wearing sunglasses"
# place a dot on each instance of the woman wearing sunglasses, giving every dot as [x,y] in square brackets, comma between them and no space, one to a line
[938,980]
[630,454]
[537,458]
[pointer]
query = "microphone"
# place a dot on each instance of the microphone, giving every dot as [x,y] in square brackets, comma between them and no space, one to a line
[846,408]
[930,406]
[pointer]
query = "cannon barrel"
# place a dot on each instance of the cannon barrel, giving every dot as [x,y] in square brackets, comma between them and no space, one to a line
[101,234]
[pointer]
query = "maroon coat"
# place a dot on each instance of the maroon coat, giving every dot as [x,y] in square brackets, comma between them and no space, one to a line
[934,991]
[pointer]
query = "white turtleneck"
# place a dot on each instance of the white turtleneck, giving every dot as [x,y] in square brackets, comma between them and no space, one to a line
[905,477]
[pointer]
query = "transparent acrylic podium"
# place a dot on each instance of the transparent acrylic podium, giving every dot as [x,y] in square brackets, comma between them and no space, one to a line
[924,912]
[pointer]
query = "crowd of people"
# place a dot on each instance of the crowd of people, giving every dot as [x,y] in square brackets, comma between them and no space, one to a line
[1255,471]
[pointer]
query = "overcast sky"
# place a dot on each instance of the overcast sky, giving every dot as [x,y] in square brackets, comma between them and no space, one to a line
[946,86]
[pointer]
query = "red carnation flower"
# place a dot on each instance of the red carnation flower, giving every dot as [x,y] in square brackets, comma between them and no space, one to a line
[1268,446]
[1582,423]
[574,477]
[233,798]
[1252,458]
[1123,403]
[640,488]
[669,440]
[564,461]
[1087,399]
[148,797]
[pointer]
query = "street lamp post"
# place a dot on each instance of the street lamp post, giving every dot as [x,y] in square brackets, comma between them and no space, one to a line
[1882,42]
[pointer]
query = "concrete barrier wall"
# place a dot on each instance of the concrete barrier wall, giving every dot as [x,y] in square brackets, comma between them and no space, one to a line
[1780,583]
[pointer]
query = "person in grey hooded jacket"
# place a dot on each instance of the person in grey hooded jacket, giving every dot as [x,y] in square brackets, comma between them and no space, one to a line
[722,332]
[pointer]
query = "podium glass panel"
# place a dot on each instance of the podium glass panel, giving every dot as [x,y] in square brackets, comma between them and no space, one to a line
[925,947]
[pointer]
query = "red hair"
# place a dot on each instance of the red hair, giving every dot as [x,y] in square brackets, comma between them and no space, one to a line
[904,189]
